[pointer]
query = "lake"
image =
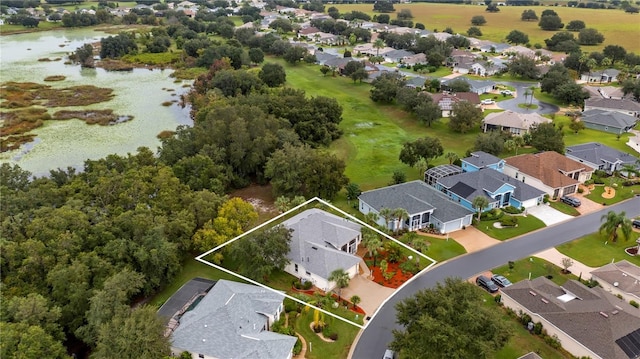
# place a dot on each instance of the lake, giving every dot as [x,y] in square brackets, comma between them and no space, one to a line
[59,144]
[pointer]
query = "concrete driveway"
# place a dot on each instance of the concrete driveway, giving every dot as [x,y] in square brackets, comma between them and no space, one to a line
[371,293]
[548,215]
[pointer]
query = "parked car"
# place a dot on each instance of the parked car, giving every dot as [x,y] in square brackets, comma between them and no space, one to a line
[572,201]
[506,92]
[487,284]
[389,354]
[636,223]
[487,102]
[501,281]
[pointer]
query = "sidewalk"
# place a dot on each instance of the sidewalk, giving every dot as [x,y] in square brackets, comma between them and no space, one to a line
[552,255]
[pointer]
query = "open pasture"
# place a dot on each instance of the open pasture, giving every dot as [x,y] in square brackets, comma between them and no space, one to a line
[618,27]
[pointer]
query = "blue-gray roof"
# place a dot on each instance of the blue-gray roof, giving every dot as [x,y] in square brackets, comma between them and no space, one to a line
[490,180]
[598,153]
[415,197]
[612,119]
[481,159]
[316,241]
[228,323]
[475,84]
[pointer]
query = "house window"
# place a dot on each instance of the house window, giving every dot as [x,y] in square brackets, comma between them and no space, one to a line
[308,273]
[295,267]
[516,175]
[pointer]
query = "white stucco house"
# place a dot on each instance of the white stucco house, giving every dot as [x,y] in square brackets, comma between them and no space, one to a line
[322,242]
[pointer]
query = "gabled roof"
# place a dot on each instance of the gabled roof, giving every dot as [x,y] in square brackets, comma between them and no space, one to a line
[613,104]
[546,167]
[415,197]
[598,153]
[481,159]
[446,100]
[316,241]
[613,119]
[487,180]
[624,273]
[228,323]
[475,84]
[512,119]
[398,54]
[591,316]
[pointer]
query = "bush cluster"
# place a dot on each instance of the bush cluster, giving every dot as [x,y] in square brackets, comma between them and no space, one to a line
[512,210]
[509,221]
[492,215]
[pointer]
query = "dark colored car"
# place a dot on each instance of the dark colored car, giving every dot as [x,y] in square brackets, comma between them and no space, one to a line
[501,280]
[487,284]
[572,201]
[636,223]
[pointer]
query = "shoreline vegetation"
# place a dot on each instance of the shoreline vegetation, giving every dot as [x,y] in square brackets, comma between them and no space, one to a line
[25,106]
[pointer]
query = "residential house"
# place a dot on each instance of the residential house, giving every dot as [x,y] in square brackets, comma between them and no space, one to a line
[512,122]
[494,47]
[499,189]
[446,100]
[232,321]
[521,51]
[608,121]
[624,106]
[415,59]
[621,278]
[486,68]
[415,82]
[481,160]
[308,32]
[601,157]
[589,322]
[322,242]
[441,36]
[463,65]
[611,92]
[396,56]
[425,205]
[608,75]
[477,86]
[549,171]
[458,55]
[433,174]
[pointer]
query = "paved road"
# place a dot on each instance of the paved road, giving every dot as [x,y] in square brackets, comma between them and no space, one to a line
[521,88]
[377,335]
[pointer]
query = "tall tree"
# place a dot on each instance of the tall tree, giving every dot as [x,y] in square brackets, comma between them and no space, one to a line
[273,75]
[427,111]
[529,15]
[353,192]
[546,137]
[455,310]
[614,52]
[478,20]
[466,116]
[341,278]
[517,37]
[575,25]
[550,22]
[614,222]
[426,148]
[372,242]
[523,66]
[21,340]
[260,253]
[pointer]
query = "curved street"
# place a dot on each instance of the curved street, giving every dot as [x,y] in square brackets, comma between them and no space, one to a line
[521,89]
[373,340]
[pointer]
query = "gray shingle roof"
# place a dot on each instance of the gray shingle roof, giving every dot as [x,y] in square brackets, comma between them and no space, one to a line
[581,317]
[228,323]
[316,241]
[608,118]
[613,104]
[481,159]
[490,180]
[626,274]
[415,197]
[598,153]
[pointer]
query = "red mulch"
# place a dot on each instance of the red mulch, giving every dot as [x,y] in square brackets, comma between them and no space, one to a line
[351,307]
[397,280]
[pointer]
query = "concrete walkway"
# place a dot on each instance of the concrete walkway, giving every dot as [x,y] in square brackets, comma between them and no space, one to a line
[552,255]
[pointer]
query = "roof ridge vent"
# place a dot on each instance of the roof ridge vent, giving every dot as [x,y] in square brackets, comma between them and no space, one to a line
[533,293]
[604,314]
[544,301]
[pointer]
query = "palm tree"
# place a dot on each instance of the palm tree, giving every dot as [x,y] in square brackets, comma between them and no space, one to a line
[372,242]
[584,57]
[591,63]
[387,214]
[451,156]
[341,278]
[378,44]
[371,218]
[355,300]
[519,141]
[401,215]
[630,169]
[533,91]
[614,222]
[479,203]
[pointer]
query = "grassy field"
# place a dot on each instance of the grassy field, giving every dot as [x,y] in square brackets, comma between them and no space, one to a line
[318,348]
[564,208]
[592,250]
[617,27]
[373,134]
[525,225]
[535,266]
[622,193]
[588,135]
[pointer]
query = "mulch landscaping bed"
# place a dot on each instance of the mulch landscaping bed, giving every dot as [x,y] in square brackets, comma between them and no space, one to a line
[396,281]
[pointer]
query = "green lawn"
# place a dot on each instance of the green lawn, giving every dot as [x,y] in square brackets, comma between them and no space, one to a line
[318,348]
[190,269]
[442,249]
[535,266]
[373,134]
[525,225]
[588,135]
[564,208]
[622,192]
[592,250]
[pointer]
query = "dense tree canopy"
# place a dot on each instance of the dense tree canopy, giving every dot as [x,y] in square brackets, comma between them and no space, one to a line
[590,36]
[550,22]
[546,137]
[425,148]
[465,117]
[260,253]
[575,25]
[529,15]
[455,310]
[517,37]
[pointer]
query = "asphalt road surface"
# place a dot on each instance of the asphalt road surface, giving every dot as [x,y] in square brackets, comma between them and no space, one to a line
[374,339]
[521,89]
